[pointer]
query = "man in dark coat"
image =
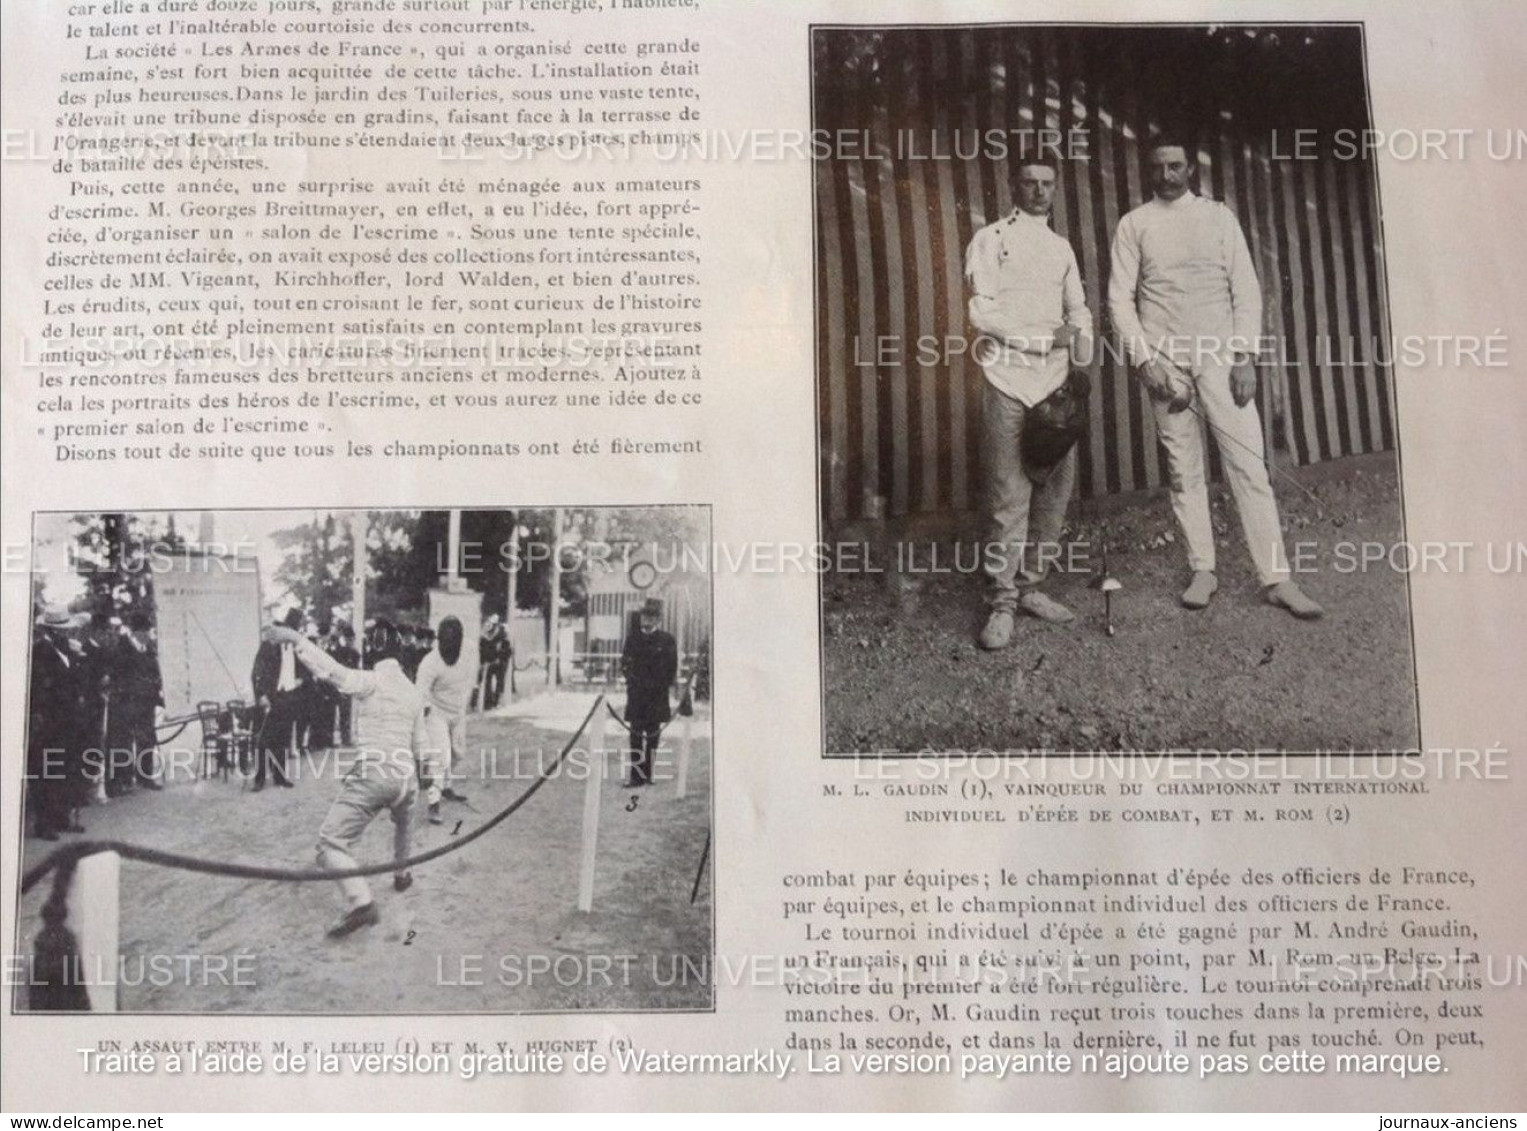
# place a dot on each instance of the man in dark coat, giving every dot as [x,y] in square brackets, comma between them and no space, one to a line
[56,738]
[494,652]
[344,654]
[136,690]
[650,663]
[277,679]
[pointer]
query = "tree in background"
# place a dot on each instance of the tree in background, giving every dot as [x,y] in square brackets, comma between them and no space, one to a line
[404,559]
[318,562]
[115,554]
[407,555]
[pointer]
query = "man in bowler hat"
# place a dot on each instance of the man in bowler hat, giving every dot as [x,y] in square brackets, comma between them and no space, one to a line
[650,663]
[278,679]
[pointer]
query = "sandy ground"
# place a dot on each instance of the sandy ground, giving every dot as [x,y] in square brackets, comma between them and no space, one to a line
[902,672]
[493,928]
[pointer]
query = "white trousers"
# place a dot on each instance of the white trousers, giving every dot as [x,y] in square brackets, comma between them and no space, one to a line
[1237,431]
[447,741]
[365,792]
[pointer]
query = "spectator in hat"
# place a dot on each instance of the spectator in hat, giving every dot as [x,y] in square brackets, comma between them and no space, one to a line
[136,690]
[650,664]
[99,642]
[416,646]
[277,679]
[1184,296]
[321,698]
[1028,305]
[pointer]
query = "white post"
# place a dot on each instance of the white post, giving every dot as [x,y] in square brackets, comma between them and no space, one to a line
[508,690]
[101,767]
[592,787]
[358,579]
[686,725]
[514,575]
[93,913]
[554,605]
[453,541]
[686,735]
[679,622]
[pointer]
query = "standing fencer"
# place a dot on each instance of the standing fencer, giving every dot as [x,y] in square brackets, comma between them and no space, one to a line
[1184,298]
[1029,308]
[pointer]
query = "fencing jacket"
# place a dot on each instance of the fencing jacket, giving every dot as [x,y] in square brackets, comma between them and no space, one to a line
[1024,285]
[1183,285]
[389,723]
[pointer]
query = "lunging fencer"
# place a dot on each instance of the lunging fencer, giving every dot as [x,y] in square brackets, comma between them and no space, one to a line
[392,734]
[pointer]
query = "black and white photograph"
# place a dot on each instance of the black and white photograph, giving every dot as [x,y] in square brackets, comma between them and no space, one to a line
[369,762]
[1105,397]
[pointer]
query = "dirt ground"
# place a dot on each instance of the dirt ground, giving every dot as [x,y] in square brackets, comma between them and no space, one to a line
[903,674]
[493,928]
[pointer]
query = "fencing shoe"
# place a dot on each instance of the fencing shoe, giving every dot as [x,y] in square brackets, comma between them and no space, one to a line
[402,881]
[1047,609]
[434,814]
[1200,590]
[998,632]
[366,915]
[1287,595]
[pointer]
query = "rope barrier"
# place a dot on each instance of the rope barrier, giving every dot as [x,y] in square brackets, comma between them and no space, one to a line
[686,707]
[623,724]
[72,853]
[694,892]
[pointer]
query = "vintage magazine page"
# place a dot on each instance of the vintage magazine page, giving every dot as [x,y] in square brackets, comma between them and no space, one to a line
[669,554]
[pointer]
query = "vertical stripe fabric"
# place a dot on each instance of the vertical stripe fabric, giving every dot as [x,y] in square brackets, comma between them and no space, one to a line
[898,399]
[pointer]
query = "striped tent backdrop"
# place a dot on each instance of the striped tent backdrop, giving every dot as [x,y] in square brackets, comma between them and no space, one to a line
[908,172]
